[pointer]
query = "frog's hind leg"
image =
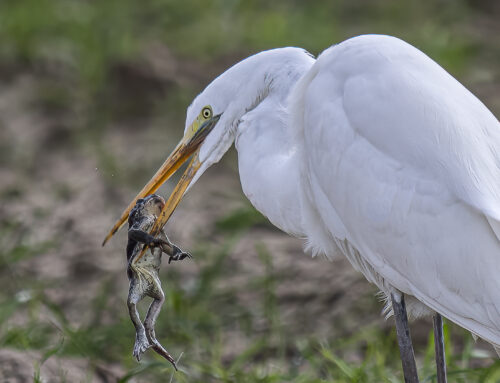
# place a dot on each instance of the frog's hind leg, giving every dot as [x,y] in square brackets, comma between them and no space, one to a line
[141,340]
[149,324]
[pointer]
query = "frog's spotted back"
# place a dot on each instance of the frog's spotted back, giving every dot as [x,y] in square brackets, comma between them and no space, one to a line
[143,207]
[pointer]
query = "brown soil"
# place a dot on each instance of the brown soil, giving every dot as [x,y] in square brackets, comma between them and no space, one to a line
[57,189]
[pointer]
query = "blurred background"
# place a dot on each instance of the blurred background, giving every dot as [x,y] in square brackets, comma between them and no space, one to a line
[92,98]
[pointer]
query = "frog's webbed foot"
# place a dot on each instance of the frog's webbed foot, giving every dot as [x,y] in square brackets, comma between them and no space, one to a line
[158,348]
[161,351]
[178,254]
[141,344]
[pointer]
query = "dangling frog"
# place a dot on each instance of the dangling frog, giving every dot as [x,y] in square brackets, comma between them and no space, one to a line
[143,272]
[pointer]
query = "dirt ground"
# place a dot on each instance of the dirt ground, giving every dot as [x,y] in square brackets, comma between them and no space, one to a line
[63,201]
[64,196]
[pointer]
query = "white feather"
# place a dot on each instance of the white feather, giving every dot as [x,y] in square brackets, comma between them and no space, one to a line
[408,158]
[376,152]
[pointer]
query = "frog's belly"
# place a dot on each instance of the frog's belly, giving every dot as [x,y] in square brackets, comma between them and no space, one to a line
[145,280]
[151,259]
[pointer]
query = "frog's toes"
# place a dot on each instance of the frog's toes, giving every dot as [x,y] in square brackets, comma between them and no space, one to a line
[179,255]
[141,345]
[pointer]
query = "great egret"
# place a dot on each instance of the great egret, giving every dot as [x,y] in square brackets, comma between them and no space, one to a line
[372,149]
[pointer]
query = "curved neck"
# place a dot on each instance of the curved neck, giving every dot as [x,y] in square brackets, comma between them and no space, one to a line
[240,90]
[269,171]
[252,97]
[267,152]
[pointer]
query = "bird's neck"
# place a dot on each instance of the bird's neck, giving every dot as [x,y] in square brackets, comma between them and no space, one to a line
[267,151]
[267,161]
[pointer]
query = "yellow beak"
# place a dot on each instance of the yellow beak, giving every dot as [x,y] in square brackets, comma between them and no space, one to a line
[190,144]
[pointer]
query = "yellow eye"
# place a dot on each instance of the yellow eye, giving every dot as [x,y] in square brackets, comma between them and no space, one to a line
[206,112]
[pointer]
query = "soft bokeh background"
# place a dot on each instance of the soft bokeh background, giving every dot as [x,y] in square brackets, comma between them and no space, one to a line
[92,99]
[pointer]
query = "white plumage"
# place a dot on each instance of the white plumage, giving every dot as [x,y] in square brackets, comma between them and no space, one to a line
[414,176]
[375,150]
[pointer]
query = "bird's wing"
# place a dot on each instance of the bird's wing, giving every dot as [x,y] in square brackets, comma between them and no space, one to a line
[408,160]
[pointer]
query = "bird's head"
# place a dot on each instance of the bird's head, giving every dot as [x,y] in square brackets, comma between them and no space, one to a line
[213,117]
[208,134]
[205,141]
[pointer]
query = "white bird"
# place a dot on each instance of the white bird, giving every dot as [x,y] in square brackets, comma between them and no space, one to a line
[373,150]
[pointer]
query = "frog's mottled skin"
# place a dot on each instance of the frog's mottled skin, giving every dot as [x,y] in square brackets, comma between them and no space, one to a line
[143,272]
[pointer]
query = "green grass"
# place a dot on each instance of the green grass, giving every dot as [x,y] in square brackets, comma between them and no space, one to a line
[75,49]
[195,321]
[80,44]
[241,219]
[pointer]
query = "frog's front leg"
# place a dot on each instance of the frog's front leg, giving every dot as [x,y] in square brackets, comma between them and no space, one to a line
[175,253]
[178,254]
[141,340]
[142,237]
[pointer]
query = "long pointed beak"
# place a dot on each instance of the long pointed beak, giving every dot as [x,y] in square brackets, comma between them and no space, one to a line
[186,147]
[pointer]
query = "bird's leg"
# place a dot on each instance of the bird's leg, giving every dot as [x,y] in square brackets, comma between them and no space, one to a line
[404,339]
[439,348]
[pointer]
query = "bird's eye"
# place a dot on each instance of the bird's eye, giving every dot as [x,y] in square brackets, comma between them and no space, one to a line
[206,112]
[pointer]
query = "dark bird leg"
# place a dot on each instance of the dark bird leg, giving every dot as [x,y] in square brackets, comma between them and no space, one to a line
[149,324]
[404,339]
[439,348]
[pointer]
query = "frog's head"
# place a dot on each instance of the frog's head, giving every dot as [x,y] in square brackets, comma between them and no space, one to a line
[148,206]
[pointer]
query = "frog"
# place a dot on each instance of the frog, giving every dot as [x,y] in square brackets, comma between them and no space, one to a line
[143,272]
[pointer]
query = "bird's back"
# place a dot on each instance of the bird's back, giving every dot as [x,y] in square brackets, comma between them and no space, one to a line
[404,172]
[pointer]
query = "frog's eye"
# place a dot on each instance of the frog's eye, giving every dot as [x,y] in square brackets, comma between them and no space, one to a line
[206,112]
